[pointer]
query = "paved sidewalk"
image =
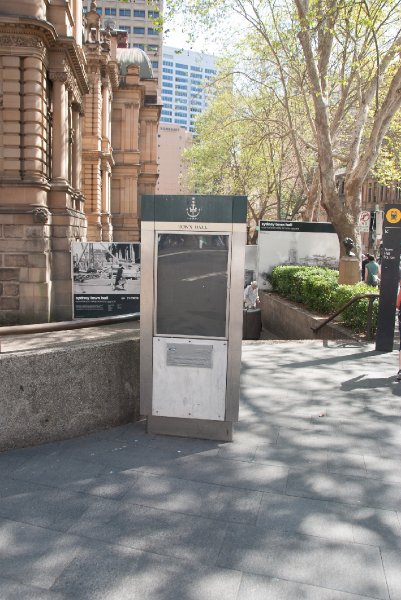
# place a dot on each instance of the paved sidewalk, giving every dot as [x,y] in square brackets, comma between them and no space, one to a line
[304,505]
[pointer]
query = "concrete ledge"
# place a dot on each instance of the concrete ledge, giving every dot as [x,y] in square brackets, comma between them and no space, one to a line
[290,321]
[67,391]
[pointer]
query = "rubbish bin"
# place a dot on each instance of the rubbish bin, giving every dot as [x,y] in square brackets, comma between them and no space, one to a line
[252,324]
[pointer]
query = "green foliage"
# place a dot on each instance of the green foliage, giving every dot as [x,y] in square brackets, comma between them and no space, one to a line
[242,147]
[334,72]
[318,289]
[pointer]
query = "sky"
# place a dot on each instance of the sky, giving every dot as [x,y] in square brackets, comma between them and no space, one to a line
[208,43]
[177,38]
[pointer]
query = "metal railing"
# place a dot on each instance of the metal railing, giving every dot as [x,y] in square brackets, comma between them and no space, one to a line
[369,324]
[65,325]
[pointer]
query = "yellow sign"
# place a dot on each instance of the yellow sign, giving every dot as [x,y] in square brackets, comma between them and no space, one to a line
[393,215]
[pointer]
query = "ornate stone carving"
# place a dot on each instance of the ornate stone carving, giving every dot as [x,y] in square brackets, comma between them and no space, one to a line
[41,215]
[66,76]
[58,76]
[27,41]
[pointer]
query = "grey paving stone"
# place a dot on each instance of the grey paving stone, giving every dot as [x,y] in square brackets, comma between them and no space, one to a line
[388,469]
[93,448]
[376,527]
[301,515]
[277,455]
[231,473]
[33,555]
[140,456]
[183,496]
[324,423]
[13,459]
[52,508]
[12,590]
[58,471]
[346,463]
[176,495]
[9,461]
[330,441]
[257,587]
[117,573]
[344,489]
[390,448]
[279,420]
[115,484]
[12,487]
[391,564]
[239,451]
[159,531]
[352,568]
[238,506]
[128,433]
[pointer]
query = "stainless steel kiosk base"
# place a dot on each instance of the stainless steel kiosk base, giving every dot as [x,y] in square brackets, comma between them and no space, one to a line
[197,428]
[192,281]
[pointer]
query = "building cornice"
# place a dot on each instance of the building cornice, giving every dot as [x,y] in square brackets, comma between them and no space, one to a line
[35,33]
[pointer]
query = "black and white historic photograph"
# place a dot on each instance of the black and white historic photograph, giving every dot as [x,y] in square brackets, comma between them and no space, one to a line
[295,243]
[106,278]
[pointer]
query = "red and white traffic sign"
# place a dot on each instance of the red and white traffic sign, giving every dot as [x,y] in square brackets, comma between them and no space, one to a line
[364,220]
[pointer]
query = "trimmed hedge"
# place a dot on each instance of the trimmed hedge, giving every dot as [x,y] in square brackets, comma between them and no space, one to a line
[318,289]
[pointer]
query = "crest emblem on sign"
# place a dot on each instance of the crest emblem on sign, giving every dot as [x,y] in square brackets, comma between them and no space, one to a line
[193,211]
[393,215]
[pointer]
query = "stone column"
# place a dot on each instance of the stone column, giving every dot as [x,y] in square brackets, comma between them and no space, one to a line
[70,140]
[107,230]
[10,153]
[105,110]
[76,147]
[77,14]
[60,127]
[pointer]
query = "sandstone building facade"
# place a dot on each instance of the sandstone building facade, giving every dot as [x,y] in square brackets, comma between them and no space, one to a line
[78,144]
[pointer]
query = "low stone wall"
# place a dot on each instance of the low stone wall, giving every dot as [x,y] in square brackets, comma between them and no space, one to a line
[63,392]
[290,321]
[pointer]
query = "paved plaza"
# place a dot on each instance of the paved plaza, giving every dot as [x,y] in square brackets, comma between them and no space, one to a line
[304,505]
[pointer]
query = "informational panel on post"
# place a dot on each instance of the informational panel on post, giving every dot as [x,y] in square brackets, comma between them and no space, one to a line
[105,278]
[390,276]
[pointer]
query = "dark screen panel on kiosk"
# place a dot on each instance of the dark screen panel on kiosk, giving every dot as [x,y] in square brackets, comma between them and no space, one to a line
[192,273]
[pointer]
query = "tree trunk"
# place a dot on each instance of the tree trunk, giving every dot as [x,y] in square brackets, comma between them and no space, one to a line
[313,198]
[344,217]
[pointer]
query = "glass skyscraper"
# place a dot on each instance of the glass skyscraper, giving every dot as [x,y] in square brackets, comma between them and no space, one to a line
[185,75]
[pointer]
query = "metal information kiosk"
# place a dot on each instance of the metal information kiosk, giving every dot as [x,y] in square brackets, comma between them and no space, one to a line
[193,252]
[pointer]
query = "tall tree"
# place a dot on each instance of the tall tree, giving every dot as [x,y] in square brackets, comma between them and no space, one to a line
[236,151]
[342,60]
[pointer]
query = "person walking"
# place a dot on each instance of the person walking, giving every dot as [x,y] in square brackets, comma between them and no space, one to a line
[372,272]
[363,266]
[119,277]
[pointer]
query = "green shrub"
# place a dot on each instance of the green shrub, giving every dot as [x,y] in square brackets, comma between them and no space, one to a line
[318,289]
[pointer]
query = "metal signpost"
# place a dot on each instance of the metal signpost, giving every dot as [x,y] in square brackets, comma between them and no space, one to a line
[193,250]
[389,277]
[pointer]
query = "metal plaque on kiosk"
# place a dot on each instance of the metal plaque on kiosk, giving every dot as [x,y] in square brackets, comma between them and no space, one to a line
[193,250]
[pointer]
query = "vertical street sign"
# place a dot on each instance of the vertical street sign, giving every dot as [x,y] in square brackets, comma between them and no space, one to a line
[364,221]
[389,277]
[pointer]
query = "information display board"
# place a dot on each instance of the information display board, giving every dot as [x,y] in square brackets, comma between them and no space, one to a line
[106,279]
[295,243]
